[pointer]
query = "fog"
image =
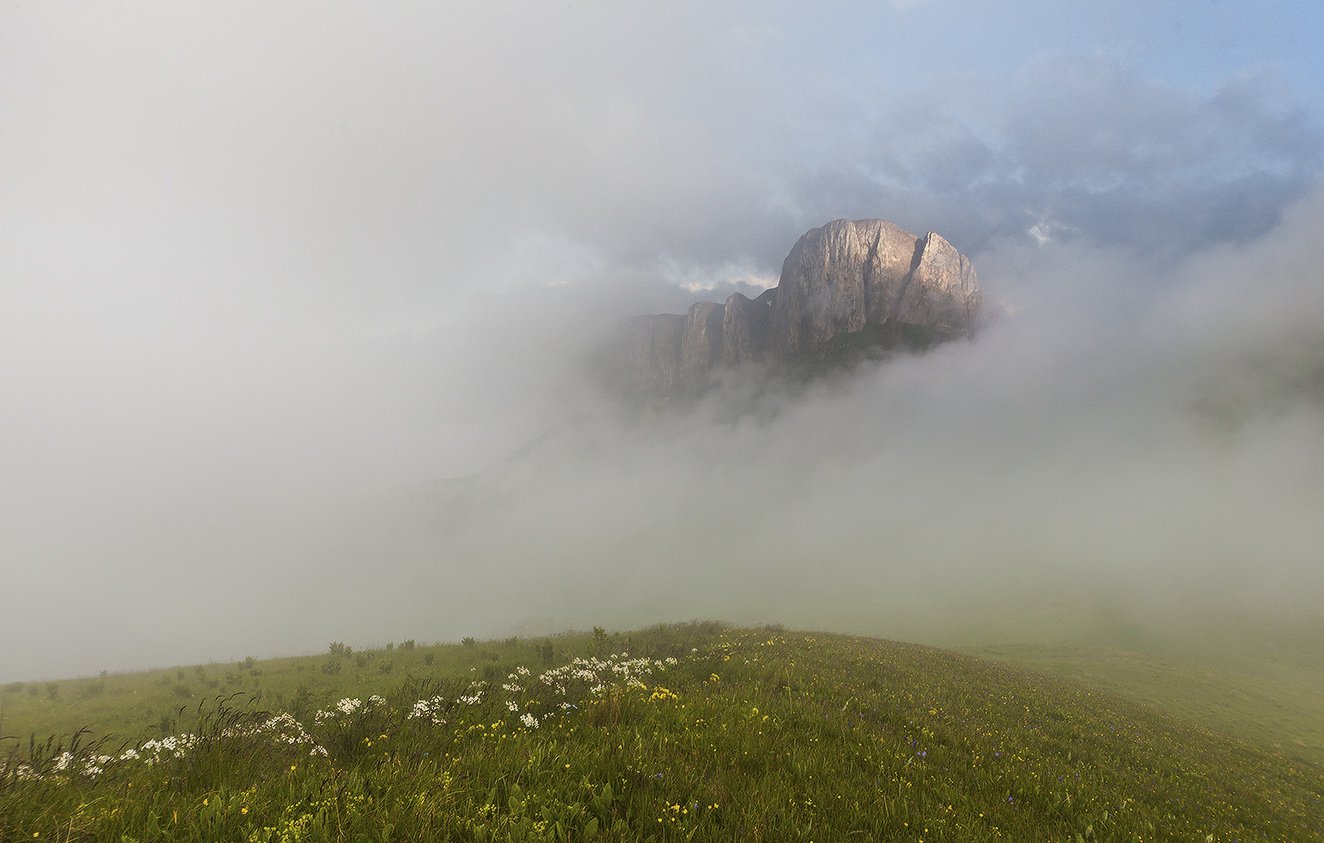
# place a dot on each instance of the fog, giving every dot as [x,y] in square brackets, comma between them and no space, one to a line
[1119,453]
[299,308]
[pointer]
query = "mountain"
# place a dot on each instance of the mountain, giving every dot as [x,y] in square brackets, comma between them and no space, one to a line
[849,282]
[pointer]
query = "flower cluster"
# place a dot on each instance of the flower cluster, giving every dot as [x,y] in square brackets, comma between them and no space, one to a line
[157,750]
[572,682]
[431,709]
[282,728]
[285,729]
[597,674]
[66,763]
[512,684]
[348,707]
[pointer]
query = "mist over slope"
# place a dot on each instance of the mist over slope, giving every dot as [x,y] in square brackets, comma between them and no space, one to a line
[1126,450]
[297,301]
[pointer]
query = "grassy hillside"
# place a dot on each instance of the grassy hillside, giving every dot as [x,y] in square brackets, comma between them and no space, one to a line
[689,732]
[1273,703]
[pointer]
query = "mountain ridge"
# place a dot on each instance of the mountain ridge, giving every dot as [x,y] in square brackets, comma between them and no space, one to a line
[838,280]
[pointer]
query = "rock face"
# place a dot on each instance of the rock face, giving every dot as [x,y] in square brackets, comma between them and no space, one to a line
[849,274]
[839,280]
[701,346]
[745,328]
[650,360]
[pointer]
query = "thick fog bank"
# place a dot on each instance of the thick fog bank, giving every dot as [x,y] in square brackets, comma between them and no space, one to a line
[1122,452]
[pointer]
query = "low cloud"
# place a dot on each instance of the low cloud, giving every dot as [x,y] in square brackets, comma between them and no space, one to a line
[296,306]
[1126,452]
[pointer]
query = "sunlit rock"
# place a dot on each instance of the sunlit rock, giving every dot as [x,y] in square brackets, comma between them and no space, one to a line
[867,281]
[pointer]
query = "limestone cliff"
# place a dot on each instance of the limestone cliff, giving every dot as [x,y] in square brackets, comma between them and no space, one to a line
[849,274]
[844,279]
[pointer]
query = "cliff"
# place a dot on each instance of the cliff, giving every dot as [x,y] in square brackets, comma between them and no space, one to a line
[845,279]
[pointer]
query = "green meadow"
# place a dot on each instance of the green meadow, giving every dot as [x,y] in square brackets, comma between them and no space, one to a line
[682,732]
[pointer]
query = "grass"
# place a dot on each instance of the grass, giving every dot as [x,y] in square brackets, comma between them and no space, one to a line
[760,735]
[1271,702]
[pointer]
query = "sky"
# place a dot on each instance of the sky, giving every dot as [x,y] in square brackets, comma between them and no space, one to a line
[274,275]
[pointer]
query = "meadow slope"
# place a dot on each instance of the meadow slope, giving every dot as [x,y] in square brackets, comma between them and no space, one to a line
[691,732]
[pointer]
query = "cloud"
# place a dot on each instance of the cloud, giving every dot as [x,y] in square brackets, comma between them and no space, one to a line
[269,270]
[1105,153]
[1128,449]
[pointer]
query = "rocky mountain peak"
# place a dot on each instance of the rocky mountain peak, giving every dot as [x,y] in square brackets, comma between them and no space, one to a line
[848,277]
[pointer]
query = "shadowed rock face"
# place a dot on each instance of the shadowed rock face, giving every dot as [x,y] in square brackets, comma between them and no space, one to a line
[701,346]
[745,328]
[650,359]
[845,278]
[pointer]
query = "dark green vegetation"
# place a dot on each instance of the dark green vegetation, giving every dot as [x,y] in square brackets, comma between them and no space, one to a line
[748,735]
